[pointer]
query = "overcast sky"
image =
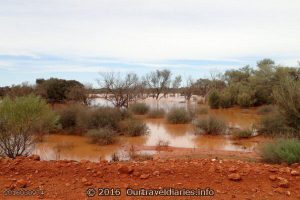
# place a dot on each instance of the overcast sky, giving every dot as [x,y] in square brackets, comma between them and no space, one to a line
[76,39]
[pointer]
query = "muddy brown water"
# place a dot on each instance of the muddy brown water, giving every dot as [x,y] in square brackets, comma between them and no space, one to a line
[180,135]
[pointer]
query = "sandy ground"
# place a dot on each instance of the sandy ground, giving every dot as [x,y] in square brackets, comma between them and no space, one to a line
[227,179]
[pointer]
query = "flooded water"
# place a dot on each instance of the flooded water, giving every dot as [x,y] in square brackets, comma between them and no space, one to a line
[180,135]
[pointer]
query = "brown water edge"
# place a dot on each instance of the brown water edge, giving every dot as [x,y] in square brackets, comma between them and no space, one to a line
[181,139]
[69,147]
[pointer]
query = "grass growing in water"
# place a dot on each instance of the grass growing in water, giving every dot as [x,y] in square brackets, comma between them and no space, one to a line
[273,124]
[139,108]
[283,150]
[211,125]
[102,136]
[266,109]
[202,110]
[179,116]
[80,118]
[244,133]
[134,127]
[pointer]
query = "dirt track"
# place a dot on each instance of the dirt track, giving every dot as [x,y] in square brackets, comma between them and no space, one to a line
[70,179]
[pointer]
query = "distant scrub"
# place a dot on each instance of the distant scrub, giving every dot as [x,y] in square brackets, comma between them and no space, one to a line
[102,136]
[211,125]
[156,113]
[281,151]
[179,116]
[139,108]
[59,90]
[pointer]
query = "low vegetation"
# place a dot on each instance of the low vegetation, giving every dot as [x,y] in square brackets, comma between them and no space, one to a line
[138,156]
[21,120]
[74,118]
[202,110]
[243,133]
[79,118]
[211,125]
[102,136]
[266,109]
[273,124]
[214,99]
[106,117]
[139,108]
[282,151]
[156,113]
[162,143]
[179,116]
[134,127]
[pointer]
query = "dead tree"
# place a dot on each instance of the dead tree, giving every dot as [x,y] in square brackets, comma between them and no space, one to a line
[120,90]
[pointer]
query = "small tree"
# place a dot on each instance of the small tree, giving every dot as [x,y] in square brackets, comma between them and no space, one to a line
[20,120]
[189,89]
[176,84]
[158,82]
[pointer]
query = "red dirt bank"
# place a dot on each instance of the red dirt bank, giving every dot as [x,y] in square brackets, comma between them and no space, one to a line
[229,179]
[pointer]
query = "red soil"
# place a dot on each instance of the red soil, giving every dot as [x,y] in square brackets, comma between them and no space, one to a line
[70,179]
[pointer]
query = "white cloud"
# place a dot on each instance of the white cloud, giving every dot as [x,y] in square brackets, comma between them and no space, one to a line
[140,30]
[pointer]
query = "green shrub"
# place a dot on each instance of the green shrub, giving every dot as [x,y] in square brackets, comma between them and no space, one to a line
[244,133]
[133,127]
[75,117]
[139,108]
[214,99]
[105,117]
[273,124]
[102,136]
[266,109]
[60,90]
[284,150]
[287,98]
[81,118]
[245,100]
[179,116]
[210,125]
[156,113]
[21,120]
[226,100]
[202,110]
